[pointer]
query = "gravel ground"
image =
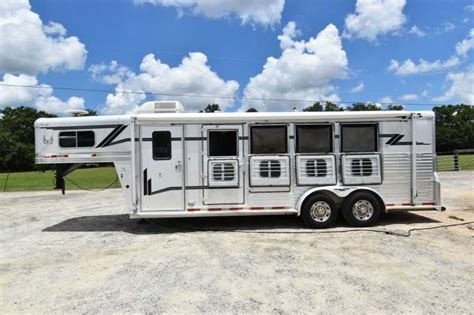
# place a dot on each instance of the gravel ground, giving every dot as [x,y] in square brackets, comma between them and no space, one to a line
[79,253]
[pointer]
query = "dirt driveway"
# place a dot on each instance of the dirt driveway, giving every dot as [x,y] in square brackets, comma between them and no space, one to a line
[79,253]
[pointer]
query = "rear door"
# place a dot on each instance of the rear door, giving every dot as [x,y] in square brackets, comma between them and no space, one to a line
[223,168]
[162,173]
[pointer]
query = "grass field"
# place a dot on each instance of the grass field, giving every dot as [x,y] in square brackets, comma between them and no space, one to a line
[89,178]
[446,162]
[101,177]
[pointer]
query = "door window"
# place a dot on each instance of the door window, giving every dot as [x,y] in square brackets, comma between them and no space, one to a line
[161,145]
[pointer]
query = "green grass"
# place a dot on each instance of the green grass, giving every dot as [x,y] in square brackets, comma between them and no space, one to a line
[446,162]
[88,178]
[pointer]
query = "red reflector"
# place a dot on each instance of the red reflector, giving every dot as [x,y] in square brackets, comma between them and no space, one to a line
[214,209]
[278,207]
[389,204]
[53,156]
[234,209]
[428,203]
[256,208]
[193,209]
[408,204]
[93,154]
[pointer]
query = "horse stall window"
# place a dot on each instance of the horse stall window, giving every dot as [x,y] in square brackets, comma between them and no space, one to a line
[313,139]
[85,139]
[268,139]
[67,139]
[222,142]
[359,138]
[161,145]
[76,139]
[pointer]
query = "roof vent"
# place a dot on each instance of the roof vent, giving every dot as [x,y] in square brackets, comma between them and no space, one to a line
[161,107]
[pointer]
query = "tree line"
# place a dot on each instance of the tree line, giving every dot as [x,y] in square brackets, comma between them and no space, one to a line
[454,129]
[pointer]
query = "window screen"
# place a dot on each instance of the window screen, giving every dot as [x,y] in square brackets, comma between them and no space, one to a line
[359,138]
[316,168]
[222,143]
[270,168]
[313,139]
[161,145]
[361,167]
[268,139]
[74,139]
[223,172]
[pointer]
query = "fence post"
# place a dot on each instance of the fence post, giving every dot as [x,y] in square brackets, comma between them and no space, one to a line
[6,181]
[456,160]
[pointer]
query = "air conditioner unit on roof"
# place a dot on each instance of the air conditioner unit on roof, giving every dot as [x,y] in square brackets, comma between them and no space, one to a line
[161,107]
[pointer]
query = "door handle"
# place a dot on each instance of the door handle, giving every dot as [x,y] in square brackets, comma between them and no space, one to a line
[178,166]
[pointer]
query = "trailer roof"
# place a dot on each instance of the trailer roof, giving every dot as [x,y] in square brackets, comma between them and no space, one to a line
[235,117]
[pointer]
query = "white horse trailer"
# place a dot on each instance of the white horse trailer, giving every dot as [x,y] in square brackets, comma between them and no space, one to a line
[314,165]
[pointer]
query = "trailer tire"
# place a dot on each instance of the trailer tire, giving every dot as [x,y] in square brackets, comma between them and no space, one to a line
[361,209]
[319,211]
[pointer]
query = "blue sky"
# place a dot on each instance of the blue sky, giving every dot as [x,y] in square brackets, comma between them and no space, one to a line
[350,61]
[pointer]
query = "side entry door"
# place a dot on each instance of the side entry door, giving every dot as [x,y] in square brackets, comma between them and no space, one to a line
[222,151]
[162,169]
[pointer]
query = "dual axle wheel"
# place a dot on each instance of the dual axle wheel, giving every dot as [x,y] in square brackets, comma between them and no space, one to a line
[359,209]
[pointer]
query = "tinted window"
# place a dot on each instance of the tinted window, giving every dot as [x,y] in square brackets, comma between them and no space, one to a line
[161,145]
[359,138]
[85,139]
[222,143]
[313,139]
[268,139]
[67,139]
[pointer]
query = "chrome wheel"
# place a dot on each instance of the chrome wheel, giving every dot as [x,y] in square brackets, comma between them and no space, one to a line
[363,210]
[320,211]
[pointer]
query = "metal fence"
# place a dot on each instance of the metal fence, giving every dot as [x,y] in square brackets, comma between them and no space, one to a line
[460,160]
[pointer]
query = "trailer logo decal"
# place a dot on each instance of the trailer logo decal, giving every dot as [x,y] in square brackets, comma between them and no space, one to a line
[396,137]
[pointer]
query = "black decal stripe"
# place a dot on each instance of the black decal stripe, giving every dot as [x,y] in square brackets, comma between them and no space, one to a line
[117,127]
[171,188]
[81,127]
[114,136]
[119,141]
[403,143]
[145,180]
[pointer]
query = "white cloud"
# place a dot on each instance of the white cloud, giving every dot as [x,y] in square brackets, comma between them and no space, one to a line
[386,100]
[424,93]
[409,97]
[37,95]
[416,31]
[358,88]
[423,66]
[264,12]
[304,70]
[463,47]
[374,18]
[410,67]
[193,76]
[461,87]
[465,20]
[448,26]
[30,47]
[469,8]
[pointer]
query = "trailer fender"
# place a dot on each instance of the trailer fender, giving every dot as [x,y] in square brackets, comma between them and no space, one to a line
[339,191]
